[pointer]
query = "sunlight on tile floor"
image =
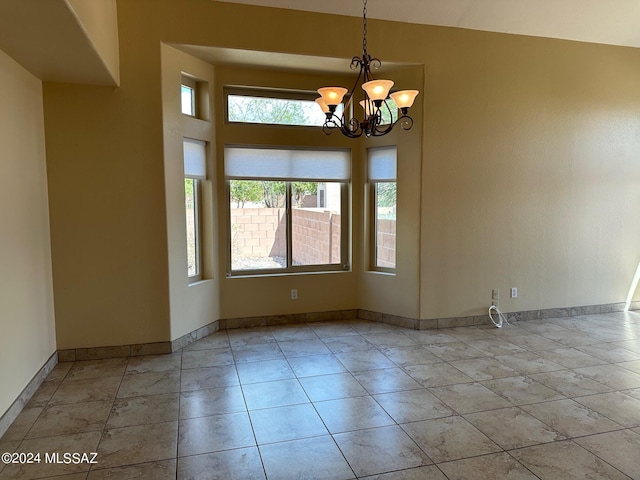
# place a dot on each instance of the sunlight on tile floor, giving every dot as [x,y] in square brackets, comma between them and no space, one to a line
[548,399]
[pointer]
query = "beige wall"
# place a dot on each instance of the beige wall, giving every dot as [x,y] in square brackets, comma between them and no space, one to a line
[521,171]
[191,305]
[26,293]
[99,21]
[531,174]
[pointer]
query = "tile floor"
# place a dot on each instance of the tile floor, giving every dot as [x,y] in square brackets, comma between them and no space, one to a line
[554,399]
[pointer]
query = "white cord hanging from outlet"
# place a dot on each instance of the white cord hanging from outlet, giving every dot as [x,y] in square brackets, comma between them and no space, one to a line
[501,318]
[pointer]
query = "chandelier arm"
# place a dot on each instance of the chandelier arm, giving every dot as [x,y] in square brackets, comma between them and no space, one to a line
[406,122]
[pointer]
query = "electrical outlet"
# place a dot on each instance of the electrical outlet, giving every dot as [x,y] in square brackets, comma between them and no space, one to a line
[495,296]
[514,292]
[294,294]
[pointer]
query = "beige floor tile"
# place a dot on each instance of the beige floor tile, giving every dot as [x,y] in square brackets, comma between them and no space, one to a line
[161,470]
[316,365]
[469,397]
[286,333]
[495,346]
[215,340]
[241,463]
[71,476]
[138,444]
[364,360]
[430,472]
[570,357]
[437,374]
[529,363]
[380,450]
[154,363]
[386,380]
[286,423]
[432,337]
[215,433]
[207,358]
[71,418]
[22,424]
[355,413]
[250,336]
[59,372]
[111,367]
[484,368]
[619,449]
[144,410]
[208,377]
[633,345]
[212,401]
[256,353]
[613,376]
[617,406]
[347,343]
[522,390]
[454,351]
[566,461]
[468,333]
[390,339]
[533,342]
[400,403]
[497,466]
[333,329]
[278,393]
[332,387]
[44,393]
[302,348]
[513,428]
[74,390]
[610,353]
[570,383]
[266,371]
[80,443]
[570,418]
[450,438]
[634,365]
[411,355]
[413,406]
[574,339]
[152,383]
[318,458]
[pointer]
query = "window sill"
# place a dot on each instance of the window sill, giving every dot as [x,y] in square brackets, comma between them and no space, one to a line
[195,283]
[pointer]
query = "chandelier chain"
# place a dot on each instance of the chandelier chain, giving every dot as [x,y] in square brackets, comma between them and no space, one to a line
[364,28]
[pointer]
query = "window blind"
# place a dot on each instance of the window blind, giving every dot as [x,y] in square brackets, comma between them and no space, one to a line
[287,165]
[195,159]
[382,164]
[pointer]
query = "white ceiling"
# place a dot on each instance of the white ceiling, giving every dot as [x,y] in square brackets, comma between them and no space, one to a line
[613,22]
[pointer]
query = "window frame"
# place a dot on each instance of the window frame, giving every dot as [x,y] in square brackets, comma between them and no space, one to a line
[290,269]
[197,217]
[372,189]
[195,169]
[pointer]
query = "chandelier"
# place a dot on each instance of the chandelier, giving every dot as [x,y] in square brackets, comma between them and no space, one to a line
[377,108]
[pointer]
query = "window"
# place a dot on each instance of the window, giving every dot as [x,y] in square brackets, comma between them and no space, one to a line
[274,108]
[277,221]
[382,184]
[188,99]
[194,172]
